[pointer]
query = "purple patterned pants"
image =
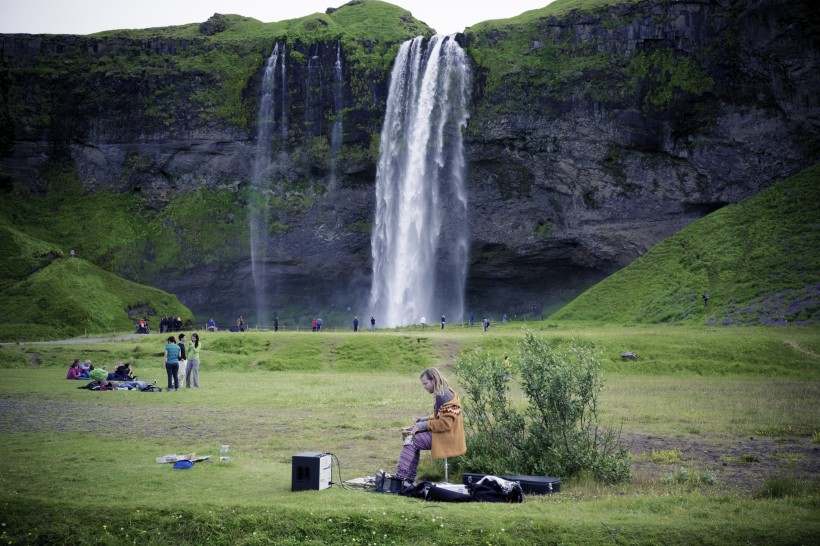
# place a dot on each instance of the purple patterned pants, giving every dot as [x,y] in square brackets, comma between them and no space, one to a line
[409,459]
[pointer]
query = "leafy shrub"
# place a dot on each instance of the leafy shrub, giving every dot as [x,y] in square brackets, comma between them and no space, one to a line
[558,433]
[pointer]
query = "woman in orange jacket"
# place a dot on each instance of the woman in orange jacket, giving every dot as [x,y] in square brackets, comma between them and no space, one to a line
[442,433]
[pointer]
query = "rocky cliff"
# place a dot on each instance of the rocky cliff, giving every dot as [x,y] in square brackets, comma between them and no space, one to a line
[593,135]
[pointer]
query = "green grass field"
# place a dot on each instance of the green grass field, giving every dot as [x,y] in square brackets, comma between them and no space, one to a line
[79,466]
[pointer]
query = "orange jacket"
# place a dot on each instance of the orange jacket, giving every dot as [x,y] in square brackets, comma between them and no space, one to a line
[448,430]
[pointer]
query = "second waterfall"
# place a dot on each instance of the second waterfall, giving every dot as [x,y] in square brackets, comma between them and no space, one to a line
[420,238]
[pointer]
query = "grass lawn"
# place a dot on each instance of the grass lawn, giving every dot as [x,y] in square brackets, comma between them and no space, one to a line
[79,466]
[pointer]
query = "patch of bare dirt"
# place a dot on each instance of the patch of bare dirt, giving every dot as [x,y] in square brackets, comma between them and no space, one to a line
[741,464]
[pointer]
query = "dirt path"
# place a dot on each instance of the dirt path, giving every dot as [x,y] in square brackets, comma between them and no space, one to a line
[77,340]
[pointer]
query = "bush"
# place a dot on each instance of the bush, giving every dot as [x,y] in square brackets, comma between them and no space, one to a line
[558,434]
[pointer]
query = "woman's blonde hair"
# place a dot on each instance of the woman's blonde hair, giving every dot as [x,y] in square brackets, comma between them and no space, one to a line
[439,383]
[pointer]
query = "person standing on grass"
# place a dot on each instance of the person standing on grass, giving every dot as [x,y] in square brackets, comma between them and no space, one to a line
[372,324]
[172,363]
[193,362]
[355,324]
[183,358]
[442,433]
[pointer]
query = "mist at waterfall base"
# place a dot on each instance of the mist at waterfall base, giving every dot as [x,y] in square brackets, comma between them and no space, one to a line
[419,269]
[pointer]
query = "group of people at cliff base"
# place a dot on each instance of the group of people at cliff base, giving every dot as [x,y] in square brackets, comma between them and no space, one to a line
[170,324]
[179,358]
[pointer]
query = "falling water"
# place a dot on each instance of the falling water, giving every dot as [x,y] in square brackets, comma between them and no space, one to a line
[313,95]
[283,84]
[336,133]
[258,222]
[419,269]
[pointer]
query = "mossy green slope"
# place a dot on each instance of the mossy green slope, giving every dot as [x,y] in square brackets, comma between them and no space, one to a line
[47,294]
[758,260]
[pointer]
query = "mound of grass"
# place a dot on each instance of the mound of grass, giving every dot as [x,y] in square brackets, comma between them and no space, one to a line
[758,261]
[71,297]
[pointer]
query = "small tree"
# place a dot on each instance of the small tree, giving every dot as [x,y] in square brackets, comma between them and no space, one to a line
[558,432]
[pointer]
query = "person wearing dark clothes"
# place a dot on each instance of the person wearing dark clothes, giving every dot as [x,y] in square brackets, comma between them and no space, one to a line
[355,324]
[442,322]
[183,357]
[172,363]
[123,373]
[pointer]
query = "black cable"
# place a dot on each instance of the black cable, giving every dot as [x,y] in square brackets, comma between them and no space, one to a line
[338,472]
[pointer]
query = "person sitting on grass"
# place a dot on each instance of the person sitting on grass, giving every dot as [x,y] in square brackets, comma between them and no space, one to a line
[85,369]
[74,370]
[97,374]
[123,373]
[442,433]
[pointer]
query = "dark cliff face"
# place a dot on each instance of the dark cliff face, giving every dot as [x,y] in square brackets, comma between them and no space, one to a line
[592,136]
[650,116]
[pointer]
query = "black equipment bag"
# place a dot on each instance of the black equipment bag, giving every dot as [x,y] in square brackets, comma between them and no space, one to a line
[495,489]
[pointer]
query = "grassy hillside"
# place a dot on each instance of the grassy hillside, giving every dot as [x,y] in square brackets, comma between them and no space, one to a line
[758,260]
[47,294]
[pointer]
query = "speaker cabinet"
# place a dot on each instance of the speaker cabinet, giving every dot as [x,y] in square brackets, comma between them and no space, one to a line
[311,471]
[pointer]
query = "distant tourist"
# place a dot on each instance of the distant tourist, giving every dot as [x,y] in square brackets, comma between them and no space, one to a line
[212,326]
[423,322]
[372,324]
[442,322]
[355,324]
[74,371]
[486,324]
[276,323]
[318,324]
[172,363]
[193,362]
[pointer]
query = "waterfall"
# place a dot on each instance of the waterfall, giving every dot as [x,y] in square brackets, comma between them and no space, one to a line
[313,96]
[338,104]
[419,268]
[258,221]
[283,124]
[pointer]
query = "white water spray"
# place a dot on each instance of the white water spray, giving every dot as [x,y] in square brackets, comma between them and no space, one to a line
[258,221]
[419,269]
[338,104]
